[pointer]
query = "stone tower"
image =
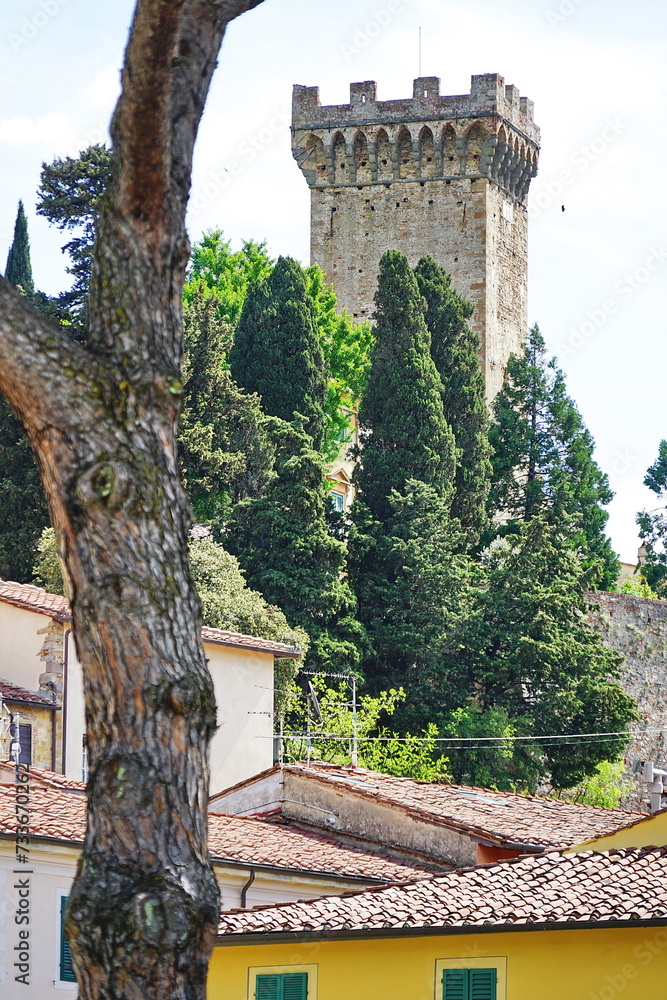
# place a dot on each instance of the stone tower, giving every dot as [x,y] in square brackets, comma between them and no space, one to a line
[447,176]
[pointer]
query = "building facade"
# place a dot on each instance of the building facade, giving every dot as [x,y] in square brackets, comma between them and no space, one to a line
[445,176]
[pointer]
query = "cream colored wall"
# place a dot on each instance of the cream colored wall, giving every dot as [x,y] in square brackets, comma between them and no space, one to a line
[52,870]
[75,712]
[243,743]
[20,645]
[596,964]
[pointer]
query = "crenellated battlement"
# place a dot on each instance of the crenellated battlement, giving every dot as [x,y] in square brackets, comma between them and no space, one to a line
[441,175]
[489,132]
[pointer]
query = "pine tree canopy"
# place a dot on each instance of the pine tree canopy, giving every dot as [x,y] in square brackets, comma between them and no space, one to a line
[529,652]
[277,352]
[402,423]
[19,267]
[68,195]
[543,461]
[225,451]
[283,542]
[455,351]
[653,525]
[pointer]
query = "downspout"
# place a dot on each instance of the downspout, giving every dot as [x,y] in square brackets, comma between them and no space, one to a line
[66,636]
[244,890]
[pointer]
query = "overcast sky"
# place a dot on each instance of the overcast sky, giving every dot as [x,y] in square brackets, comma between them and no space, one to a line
[594,68]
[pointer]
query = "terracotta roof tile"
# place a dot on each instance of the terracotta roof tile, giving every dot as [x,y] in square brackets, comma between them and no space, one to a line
[547,889]
[508,820]
[258,842]
[12,693]
[58,812]
[23,595]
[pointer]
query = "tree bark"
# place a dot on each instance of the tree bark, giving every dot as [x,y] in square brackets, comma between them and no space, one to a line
[102,417]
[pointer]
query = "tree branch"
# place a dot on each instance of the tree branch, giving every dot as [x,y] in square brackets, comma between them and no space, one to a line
[42,371]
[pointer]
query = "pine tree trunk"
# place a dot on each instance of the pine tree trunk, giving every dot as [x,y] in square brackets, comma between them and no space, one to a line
[143,911]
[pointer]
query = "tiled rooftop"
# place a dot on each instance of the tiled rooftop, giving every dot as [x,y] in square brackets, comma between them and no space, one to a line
[256,842]
[508,820]
[23,595]
[548,889]
[12,693]
[58,812]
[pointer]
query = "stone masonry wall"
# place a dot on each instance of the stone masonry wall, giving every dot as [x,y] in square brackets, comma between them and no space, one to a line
[636,627]
[446,176]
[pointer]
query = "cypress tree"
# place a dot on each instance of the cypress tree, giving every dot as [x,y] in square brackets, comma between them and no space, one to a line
[19,268]
[225,451]
[403,569]
[543,461]
[403,427]
[23,513]
[454,349]
[283,543]
[277,353]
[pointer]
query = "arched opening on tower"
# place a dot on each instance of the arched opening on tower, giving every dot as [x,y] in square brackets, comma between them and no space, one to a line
[339,151]
[474,140]
[406,163]
[450,156]
[385,166]
[362,159]
[315,157]
[427,153]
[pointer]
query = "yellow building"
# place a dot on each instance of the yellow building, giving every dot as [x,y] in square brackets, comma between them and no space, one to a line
[579,926]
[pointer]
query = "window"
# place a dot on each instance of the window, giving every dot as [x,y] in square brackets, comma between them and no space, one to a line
[66,968]
[338,502]
[471,979]
[469,984]
[288,986]
[282,982]
[25,740]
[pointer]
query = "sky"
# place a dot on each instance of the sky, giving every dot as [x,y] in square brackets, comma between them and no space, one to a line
[594,68]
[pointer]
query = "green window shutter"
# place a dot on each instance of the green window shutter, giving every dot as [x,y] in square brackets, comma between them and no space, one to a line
[66,966]
[455,984]
[267,988]
[295,986]
[289,986]
[469,984]
[483,984]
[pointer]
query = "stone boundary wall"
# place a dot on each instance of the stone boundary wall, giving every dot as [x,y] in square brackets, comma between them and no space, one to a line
[636,627]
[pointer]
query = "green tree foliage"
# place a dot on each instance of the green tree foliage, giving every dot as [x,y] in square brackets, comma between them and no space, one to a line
[19,267]
[284,545]
[606,787]
[378,748]
[543,461]
[412,584]
[653,525]
[455,351]
[225,451]
[47,571]
[402,422]
[277,352]
[68,195]
[529,650]
[346,347]
[215,269]
[23,513]
[636,585]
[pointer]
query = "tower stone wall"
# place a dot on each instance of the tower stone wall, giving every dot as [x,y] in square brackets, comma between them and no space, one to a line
[445,176]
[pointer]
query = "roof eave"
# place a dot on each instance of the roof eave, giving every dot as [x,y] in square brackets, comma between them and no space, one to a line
[280,937]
